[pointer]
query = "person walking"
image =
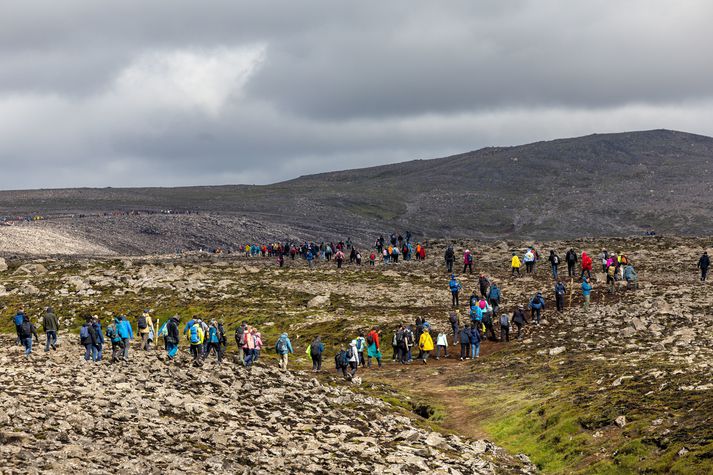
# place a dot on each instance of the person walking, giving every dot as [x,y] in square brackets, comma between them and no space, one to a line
[360,347]
[515,264]
[537,304]
[560,291]
[96,324]
[196,337]
[373,349]
[494,296]
[571,258]
[586,266]
[88,339]
[703,264]
[529,259]
[316,348]
[112,333]
[425,344]
[475,338]
[126,333]
[467,261]
[442,345]
[17,320]
[554,263]
[240,341]
[450,258]
[464,342]
[586,293]
[455,288]
[455,323]
[504,328]
[26,332]
[172,336]
[518,318]
[214,341]
[145,325]
[50,324]
[283,347]
[483,284]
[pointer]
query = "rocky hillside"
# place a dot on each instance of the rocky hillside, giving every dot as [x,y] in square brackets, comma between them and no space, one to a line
[598,185]
[61,414]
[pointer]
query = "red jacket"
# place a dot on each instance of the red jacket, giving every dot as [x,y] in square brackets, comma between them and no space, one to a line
[586,262]
[375,337]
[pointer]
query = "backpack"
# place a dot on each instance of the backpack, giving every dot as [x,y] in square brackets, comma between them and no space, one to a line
[341,359]
[469,259]
[18,319]
[556,260]
[494,293]
[281,346]
[141,322]
[83,332]
[369,339]
[111,333]
[163,331]
[504,321]
[195,336]
[26,329]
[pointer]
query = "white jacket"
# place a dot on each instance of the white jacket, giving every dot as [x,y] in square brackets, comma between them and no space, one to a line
[442,340]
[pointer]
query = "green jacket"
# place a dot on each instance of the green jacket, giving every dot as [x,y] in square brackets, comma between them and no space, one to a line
[50,322]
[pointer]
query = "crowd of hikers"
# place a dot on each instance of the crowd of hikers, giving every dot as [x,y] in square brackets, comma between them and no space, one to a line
[482,319]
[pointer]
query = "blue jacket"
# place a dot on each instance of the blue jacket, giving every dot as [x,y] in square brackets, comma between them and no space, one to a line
[100,335]
[465,336]
[586,288]
[537,302]
[123,328]
[474,336]
[454,285]
[494,292]
[213,336]
[476,313]
[288,345]
[188,326]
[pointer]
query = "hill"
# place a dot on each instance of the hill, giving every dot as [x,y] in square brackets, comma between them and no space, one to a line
[602,184]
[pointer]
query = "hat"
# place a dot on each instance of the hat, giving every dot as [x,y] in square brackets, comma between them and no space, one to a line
[481,304]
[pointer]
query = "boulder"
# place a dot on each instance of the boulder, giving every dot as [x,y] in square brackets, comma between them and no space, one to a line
[31,269]
[319,301]
[3,265]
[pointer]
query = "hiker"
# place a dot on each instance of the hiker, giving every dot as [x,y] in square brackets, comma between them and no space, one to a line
[537,304]
[571,258]
[145,326]
[373,348]
[339,257]
[240,340]
[283,347]
[483,284]
[214,341]
[611,273]
[372,259]
[504,328]
[425,345]
[396,340]
[126,333]
[475,338]
[172,336]
[488,320]
[50,324]
[360,347]
[529,259]
[343,362]
[603,258]
[353,359]
[442,345]
[310,259]
[518,318]
[467,261]
[455,288]
[703,264]
[450,258]
[17,320]
[258,347]
[560,291]
[586,292]
[586,266]
[631,278]
[554,262]
[96,324]
[117,345]
[409,341]
[464,342]
[249,346]
[453,319]
[26,332]
[196,336]
[493,297]
[88,339]
[316,348]
[515,264]
[395,254]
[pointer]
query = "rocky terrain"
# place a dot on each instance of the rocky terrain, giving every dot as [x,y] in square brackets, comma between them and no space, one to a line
[598,185]
[623,388]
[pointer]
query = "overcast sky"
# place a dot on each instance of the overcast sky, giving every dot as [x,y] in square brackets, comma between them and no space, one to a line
[184,92]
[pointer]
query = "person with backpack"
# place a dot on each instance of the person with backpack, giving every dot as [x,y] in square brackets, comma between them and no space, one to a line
[586,293]
[361,347]
[96,324]
[112,333]
[196,336]
[586,266]
[529,259]
[560,291]
[554,263]
[441,345]
[373,348]
[126,333]
[464,342]
[483,284]
[316,348]
[467,261]
[409,342]
[425,345]
[571,258]
[604,258]
[249,346]
[494,297]
[475,338]
[630,276]
[240,340]
[455,288]
[17,320]
[537,305]
[88,339]
[144,324]
[26,332]
[214,341]
[703,264]
[397,342]
[372,259]
[515,264]
[450,258]
[344,362]
[455,323]
[258,346]
[611,274]
[50,324]
[504,328]
[283,347]
[172,336]
[518,318]
[488,321]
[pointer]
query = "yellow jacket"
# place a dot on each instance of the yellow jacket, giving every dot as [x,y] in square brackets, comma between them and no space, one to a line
[425,342]
[515,262]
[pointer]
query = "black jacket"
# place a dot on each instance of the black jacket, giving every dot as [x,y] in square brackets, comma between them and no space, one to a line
[704,262]
[518,317]
[172,331]
[571,257]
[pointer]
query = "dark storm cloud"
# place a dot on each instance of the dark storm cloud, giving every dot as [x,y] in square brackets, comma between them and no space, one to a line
[185,92]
